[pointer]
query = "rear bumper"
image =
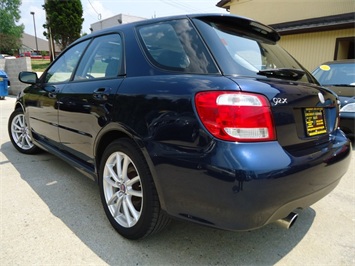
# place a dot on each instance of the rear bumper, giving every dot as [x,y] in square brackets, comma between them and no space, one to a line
[302,202]
[239,186]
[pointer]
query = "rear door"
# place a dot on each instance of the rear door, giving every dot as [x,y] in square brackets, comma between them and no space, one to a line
[86,103]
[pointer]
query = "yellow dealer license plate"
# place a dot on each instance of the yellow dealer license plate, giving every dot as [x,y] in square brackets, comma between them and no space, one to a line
[315,122]
[1,79]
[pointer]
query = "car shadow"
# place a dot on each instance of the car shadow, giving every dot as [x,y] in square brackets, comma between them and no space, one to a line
[75,200]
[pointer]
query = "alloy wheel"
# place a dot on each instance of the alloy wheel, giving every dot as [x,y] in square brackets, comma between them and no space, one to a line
[20,132]
[123,189]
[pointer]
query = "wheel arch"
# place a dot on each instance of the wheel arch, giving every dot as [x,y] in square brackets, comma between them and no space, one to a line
[113,133]
[19,105]
[20,132]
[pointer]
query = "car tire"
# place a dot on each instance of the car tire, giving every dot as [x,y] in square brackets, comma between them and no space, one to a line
[19,133]
[128,193]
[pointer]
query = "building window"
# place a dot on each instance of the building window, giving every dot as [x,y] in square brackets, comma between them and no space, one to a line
[344,48]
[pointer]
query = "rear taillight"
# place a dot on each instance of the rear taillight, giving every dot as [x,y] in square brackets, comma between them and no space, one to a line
[236,116]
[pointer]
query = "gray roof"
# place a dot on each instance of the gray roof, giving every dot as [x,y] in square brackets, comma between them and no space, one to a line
[29,41]
[335,22]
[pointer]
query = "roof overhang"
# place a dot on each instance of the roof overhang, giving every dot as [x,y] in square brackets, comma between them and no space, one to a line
[335,22]
[223,4]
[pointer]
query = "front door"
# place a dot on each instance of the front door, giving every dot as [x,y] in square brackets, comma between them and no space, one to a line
[42,102]
[86,103]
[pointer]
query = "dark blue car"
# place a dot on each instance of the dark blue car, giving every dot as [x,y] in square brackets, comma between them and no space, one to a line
[200,117]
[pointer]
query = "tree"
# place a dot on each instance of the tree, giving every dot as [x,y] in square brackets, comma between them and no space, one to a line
[64,19]
[10,33]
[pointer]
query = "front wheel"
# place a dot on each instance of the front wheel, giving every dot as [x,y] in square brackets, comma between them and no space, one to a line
[19,133]
[128,193]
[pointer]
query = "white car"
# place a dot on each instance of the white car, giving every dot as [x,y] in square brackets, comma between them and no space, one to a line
[6,56]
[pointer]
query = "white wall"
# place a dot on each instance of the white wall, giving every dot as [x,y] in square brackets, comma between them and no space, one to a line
[12,68]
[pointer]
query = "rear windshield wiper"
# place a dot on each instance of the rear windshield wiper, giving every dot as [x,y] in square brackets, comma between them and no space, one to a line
[283,73]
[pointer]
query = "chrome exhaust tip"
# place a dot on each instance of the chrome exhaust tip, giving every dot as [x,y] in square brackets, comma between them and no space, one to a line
[288,221]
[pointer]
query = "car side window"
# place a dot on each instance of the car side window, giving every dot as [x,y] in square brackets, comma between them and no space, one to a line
[175,45]
[103,58]
[64,66]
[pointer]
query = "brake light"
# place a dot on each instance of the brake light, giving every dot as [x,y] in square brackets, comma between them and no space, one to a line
[236,116]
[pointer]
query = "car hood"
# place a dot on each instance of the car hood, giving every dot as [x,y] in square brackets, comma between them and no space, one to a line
[346,100]
[346,91]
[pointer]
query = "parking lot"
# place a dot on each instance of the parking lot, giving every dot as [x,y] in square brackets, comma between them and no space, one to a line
[52,214]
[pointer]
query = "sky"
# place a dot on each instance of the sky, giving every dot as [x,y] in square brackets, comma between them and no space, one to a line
[96,9]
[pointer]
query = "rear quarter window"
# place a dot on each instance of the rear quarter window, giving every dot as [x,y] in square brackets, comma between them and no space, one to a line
[175,45]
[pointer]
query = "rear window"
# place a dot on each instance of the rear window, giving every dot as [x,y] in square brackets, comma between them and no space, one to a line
[239,51]
[175,45]
[252,55]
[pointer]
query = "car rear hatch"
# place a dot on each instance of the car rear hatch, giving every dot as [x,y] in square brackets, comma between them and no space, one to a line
[304,114]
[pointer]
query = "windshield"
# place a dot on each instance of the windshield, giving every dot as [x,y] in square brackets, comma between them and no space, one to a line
[241,53]
[336,74]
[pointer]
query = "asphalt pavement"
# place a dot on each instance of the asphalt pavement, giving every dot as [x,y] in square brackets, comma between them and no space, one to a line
[52,215]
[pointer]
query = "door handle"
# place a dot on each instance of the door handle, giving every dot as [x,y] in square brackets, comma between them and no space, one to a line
[101,94]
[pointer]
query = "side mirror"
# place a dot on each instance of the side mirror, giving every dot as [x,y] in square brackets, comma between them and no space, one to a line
[28,77]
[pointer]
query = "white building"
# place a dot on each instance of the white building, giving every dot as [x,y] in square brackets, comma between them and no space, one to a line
[114,21]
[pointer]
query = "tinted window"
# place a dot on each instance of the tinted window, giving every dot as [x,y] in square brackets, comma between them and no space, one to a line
[240,52]
[175,45]
[103,58]
[65,65]
[253,55]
